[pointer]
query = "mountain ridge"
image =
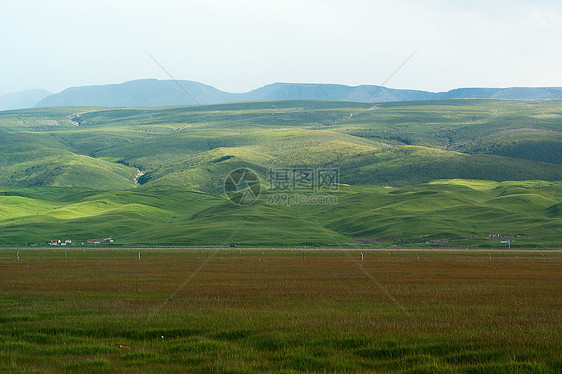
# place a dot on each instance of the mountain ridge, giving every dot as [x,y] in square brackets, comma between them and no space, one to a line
[153,93]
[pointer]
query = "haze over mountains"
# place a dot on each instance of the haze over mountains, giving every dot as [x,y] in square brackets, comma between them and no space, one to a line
[152,92]
[22,99]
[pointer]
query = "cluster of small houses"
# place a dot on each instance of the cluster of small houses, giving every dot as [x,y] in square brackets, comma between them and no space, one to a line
[490,236]
[60,242]
[89,241]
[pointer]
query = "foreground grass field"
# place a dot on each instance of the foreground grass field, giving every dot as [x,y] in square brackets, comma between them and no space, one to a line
[217,310]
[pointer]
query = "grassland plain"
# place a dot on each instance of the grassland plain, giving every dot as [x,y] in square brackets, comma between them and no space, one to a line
[232,310]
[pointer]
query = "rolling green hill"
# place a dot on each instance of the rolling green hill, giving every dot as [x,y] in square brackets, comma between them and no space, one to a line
[412,215]
[155,175]
[29,159]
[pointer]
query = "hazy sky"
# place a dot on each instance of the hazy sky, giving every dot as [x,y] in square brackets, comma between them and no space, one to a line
[240,45]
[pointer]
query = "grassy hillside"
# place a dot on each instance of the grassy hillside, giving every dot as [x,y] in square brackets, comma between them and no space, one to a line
[448,209]
[177,153]
[30,159]
[405,165]
[465,125]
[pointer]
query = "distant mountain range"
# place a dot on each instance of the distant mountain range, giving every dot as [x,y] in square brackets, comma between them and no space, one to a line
[152,92]
[22,99]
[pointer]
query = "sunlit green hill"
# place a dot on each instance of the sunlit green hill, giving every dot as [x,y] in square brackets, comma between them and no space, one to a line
[445,209]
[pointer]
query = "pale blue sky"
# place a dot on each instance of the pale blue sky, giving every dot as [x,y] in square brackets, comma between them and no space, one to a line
[240,45]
